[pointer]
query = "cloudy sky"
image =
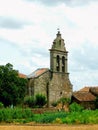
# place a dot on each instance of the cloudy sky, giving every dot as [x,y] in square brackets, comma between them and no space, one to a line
[28,28]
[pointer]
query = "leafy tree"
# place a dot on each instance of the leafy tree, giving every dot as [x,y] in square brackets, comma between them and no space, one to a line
[64,101]
[12,87]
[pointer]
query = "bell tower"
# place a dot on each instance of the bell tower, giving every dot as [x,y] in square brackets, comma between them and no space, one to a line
[58,56]
[59,85]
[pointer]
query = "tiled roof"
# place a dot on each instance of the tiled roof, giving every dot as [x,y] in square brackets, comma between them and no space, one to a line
[85,89]
[38,72]
[84,96]
[22,75]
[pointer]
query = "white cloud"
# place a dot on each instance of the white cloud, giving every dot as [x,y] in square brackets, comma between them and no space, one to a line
[78,25]
[71,3]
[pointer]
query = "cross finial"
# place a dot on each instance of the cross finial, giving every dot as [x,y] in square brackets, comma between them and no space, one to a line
[58,29]
[58,32]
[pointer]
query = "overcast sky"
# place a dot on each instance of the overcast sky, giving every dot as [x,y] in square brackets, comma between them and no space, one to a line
[28,28]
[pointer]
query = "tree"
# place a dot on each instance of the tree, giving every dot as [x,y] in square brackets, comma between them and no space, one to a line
[64,101]
[12,87]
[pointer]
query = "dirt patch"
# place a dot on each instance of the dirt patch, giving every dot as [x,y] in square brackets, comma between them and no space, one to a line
[49,127]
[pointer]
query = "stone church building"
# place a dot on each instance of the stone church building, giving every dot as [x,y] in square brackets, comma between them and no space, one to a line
[54,83]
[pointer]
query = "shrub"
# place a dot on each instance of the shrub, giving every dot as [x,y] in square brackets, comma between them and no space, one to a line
[40,100]
[29,101]
[1,105]
[50,117]
[15,115]
[54,104]
[74,107]
[58,121]
[64,101]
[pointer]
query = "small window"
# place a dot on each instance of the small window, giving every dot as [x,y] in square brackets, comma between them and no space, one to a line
[61,93]
[58,63]
[63,64]
[60,42]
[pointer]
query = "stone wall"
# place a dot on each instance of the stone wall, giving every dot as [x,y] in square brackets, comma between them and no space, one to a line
[53,86]
[39,85]
[59,87]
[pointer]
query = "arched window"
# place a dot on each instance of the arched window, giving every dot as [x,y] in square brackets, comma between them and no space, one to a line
[63,64]
[58,63]
[59,42]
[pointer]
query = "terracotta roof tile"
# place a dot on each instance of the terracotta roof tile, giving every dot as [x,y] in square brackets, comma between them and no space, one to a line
[85,89]
[84,96]
[22,75]
[38,72]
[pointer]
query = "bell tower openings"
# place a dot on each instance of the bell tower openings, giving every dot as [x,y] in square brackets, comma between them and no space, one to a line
[58,55]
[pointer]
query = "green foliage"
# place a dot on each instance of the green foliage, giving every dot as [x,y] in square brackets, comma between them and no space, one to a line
[15,115]
[64,101]
[54,104]
[84,117]
[12,88]
[25,115]
[29,101]
[49,117]
[40,100]
[1,105]
[58,121]
[74,107]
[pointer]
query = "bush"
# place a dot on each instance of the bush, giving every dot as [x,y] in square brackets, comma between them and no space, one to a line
[54,104]
[74,107]
[40,100]
[29,101]
[64,102]
[1,105]
[57,121]
[50,117]
[15,115]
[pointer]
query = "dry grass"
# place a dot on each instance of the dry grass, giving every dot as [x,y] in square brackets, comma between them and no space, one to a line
[62,127]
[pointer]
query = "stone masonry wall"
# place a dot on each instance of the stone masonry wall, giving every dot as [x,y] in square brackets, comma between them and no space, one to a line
[40,83]
[60,86]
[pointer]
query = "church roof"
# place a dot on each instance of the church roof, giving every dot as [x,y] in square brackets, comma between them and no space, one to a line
[37,72]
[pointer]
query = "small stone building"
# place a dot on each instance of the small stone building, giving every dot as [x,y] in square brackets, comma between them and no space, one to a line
[86,97]
[54,83]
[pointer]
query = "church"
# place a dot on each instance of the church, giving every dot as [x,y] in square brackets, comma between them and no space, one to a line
[54,83]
